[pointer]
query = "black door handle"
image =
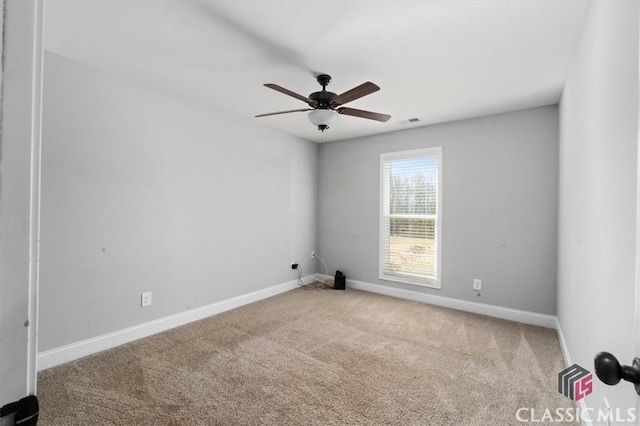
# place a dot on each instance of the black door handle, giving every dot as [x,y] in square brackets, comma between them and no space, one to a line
[609,370]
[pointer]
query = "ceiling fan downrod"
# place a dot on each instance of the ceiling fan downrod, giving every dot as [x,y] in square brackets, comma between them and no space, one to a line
[323,80]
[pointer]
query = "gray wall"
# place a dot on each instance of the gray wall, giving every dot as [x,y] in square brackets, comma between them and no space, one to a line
[598,194]
[146,191]
[499,206]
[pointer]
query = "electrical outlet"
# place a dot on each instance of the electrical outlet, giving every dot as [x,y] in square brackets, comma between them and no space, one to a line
[145,299]
[313,254]
[477,284]
[294,265]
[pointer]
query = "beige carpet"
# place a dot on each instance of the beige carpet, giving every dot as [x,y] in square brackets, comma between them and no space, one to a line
[315,358]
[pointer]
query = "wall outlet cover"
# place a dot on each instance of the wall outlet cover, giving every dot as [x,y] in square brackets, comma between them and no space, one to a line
[145,299]
[477,284]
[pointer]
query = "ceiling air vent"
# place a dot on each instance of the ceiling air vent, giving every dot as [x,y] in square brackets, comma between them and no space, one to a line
[414,120]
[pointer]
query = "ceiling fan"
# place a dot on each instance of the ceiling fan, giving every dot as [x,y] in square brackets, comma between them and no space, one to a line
[324,105]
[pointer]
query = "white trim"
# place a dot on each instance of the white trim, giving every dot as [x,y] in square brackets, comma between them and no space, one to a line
[21,94]
[322,277]
[563,344]
[384,208]
[34,207]
[53,357]
[637,265]
[526,317]
[582,405]
[407,279]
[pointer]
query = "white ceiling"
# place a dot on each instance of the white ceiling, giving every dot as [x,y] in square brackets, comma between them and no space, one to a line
[434,60]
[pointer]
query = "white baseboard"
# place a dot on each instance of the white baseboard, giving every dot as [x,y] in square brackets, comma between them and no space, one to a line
[53,357]
[582,405]
[526,317]
[322,277]
[563,344]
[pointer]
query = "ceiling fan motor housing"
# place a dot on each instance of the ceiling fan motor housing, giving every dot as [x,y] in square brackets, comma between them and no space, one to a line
[322,99]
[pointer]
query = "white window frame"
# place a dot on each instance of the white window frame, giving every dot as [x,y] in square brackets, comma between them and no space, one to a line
[383,275]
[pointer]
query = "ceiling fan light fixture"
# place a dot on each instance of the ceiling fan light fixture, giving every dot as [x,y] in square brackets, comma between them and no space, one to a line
[322,118]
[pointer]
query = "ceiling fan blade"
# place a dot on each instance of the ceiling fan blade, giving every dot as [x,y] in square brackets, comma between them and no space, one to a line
[289,92]
[364,114]
[357,92]
[283,112]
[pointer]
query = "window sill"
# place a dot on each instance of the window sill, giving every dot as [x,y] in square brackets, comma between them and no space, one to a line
[407,280]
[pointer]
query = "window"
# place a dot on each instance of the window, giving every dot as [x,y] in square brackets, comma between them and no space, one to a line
[410,216]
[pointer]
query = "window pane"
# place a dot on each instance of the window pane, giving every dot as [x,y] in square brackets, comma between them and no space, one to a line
[410,222]
[413,186]
[411,246]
